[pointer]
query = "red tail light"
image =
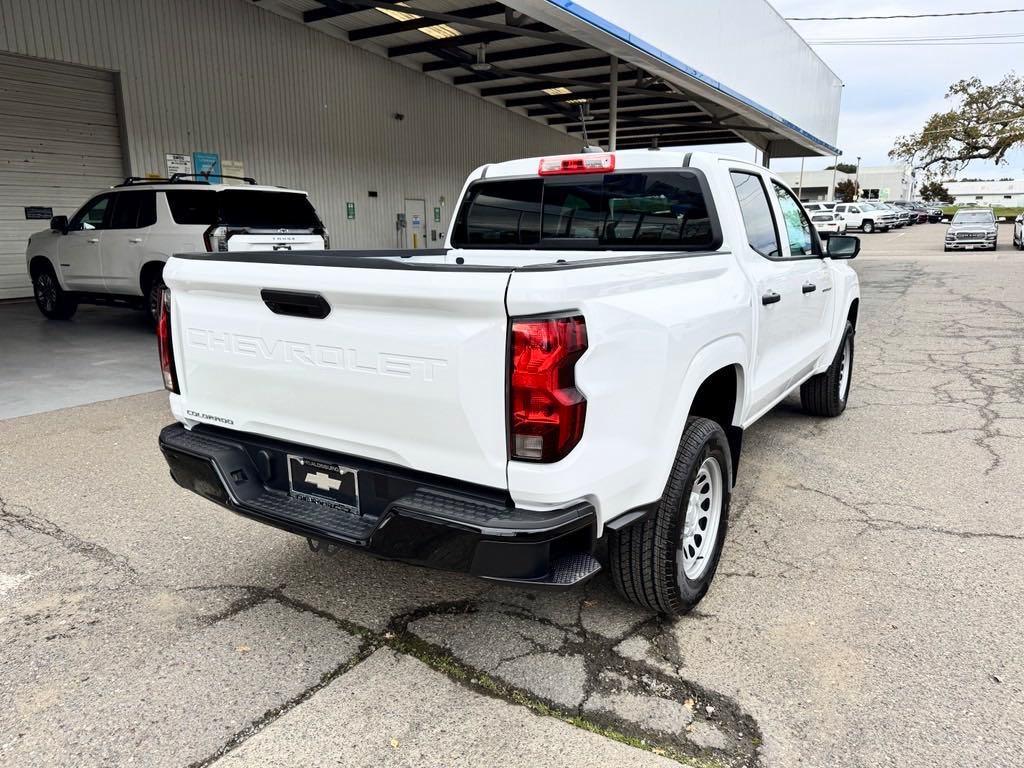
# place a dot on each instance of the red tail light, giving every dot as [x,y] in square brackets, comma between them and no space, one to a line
[163,340]
[547,411]
[602,162]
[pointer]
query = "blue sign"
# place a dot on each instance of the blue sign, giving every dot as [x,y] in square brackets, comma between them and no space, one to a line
[206,165]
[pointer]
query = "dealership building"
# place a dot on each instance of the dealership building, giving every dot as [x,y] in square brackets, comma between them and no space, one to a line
[997,193]
[379,109]
[881,182]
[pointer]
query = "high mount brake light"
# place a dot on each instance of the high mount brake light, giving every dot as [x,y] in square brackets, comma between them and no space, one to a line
[546,410]
[164,343]
[591,163]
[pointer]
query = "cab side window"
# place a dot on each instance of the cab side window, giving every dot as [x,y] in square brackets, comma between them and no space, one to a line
[758,219]
[802,241]
[93,215]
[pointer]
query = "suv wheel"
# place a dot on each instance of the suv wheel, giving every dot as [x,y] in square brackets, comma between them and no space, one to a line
[826,393]
[868,226]
[53,301]
[666,562]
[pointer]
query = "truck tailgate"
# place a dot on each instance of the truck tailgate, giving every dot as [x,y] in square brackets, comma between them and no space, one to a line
[408,366]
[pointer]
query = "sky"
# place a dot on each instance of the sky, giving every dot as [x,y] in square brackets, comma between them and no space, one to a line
[892,89]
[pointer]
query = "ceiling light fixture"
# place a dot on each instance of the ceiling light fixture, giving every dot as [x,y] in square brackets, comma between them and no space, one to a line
[481,64]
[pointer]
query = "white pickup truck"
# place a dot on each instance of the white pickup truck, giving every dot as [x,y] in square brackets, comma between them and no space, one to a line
[578,364]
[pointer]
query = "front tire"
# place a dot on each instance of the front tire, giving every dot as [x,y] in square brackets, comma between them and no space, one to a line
[666,562]
[826,393]
[868,227]
[52,300]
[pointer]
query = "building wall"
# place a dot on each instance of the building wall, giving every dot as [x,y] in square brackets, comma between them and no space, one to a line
[297,107]
[883,182]
[995,192]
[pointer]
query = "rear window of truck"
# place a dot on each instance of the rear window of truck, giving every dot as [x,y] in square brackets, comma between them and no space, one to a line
[655,209]
[247,209]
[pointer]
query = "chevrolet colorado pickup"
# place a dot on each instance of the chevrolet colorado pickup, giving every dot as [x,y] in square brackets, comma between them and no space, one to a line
[576,365]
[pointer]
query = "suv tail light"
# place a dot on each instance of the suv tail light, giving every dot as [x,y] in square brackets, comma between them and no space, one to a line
[546,410]
[163,340]
[603,162]
[216,239]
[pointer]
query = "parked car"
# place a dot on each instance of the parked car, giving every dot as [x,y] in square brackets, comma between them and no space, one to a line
[905,208]
[828,223]
[113,250]
[902,216]
[554,376]
[1018,231]
[972,230]
[865,216]
[934,211]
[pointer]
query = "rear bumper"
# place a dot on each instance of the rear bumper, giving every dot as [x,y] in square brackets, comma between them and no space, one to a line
[406,516]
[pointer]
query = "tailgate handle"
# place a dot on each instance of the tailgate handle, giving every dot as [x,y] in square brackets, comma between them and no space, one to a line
[296,303]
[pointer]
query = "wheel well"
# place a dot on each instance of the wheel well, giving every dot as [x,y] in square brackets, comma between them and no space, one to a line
[37,265]
[716,399]
[852,314]
[148,272]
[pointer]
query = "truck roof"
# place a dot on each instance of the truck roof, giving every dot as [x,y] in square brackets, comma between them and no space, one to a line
[635,159]
[180,185]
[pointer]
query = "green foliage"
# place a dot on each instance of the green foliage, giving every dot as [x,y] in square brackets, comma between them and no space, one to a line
[985,123]
[846,190]
[843,167]
[935,191]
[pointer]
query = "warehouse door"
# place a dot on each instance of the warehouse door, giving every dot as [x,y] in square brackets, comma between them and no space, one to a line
[60,143]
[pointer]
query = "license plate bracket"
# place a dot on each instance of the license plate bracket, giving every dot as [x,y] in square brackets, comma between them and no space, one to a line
[325,483]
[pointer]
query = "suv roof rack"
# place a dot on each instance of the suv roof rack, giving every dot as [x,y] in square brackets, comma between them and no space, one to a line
[205,177]
[134,181]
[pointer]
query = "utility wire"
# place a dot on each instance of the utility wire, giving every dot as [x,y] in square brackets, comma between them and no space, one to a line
[905,15]
[915,38]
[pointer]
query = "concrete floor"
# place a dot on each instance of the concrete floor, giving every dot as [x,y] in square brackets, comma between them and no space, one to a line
[102,353]
[866,611]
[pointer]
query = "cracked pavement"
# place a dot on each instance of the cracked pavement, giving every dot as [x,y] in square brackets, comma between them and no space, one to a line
[865,613]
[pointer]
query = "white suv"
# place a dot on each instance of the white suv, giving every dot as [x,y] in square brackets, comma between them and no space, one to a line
[867,216]
[112,251]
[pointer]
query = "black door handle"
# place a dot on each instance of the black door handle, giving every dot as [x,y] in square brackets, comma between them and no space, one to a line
[809,288]
[296,303]
[771,298]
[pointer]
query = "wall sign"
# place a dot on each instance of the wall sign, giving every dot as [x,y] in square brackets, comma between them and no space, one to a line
[233,168]
[437,214]
[178,163]
[40,212]
[207,166]
[350,210]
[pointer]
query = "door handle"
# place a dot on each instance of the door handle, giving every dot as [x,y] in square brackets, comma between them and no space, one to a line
[93,240]
[809,288]
[771,298]
[135,240]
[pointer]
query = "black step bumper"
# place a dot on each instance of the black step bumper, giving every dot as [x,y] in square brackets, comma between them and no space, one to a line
[416,518]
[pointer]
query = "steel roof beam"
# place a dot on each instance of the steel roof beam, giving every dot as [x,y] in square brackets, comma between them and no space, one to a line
[393,28]
[519,53]
[538,69]
[331,9]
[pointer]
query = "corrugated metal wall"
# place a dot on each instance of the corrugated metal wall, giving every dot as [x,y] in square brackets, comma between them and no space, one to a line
[298,107]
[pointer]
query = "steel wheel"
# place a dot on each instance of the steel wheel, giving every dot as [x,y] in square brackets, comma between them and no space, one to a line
[46,291]
[844,368]
[700,526]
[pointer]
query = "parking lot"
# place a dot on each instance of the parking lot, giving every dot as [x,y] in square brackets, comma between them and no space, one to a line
[866,610]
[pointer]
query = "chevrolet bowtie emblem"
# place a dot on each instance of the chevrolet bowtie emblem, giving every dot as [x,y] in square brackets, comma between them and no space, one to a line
[323,481]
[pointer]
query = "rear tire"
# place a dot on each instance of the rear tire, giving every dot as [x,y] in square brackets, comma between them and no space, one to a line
[53,301]
[153,293]
[826,394]
[666,562]
[868,227]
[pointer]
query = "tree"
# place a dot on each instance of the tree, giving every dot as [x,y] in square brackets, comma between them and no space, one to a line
[935,191]
[846,190]
[986,122]
[843,167]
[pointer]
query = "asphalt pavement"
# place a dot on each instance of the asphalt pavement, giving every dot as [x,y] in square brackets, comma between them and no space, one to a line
[865,613]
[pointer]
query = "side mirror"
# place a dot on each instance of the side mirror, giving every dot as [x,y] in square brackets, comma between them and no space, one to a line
[59,224]
[842,247]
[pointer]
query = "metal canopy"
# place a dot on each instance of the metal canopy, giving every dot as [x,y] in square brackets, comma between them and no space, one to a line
[553,76]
